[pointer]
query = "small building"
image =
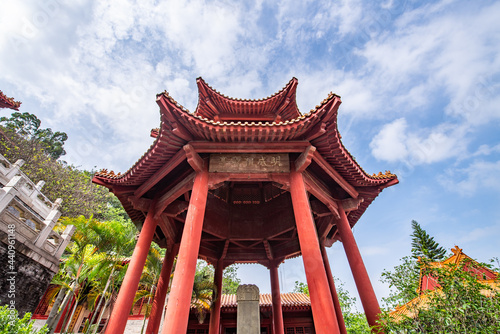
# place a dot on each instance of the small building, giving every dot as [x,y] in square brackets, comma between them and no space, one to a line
[30,249]
[429,285]
[296,307]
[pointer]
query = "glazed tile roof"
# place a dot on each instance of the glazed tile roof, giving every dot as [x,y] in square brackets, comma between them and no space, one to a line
[288,300]
[212,105]
[8,102]
[484,275]
[179,126]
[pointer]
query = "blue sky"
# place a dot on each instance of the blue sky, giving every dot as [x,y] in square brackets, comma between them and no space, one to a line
[419,81]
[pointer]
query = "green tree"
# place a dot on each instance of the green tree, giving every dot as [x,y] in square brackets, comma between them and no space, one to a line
[80,196]
[11,324]
[403,280]
[27,126]
[203,290]
[461,304]
[423,245]
[230,280]
[355,321]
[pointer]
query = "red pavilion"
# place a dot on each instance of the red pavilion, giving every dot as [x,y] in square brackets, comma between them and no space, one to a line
[245,181]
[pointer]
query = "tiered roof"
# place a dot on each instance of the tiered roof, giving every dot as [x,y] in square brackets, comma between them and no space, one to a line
[8,102]
[214,106]
[231,122]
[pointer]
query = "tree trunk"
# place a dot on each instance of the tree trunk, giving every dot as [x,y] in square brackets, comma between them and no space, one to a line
[103,297]
[55,308]
[67,298]
[106,304]
[147,305]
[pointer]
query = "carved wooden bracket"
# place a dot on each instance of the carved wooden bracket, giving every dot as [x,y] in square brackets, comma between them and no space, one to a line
[193,158]
[304,160]
[351,204]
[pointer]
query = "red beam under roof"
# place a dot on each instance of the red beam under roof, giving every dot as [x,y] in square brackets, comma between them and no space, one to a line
[246,130]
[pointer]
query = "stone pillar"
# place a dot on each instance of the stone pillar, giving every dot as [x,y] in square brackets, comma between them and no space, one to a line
[161,290]
[179,302]
[248,314]
[215,313]
[49,222]
[335,297]
[276,297]
[363,284]
[125,299]
[325,320]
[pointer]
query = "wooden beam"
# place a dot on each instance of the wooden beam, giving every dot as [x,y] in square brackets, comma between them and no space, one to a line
[272,147]
[335,175]
[141,204]
[171,195]
[268,249]
[168,228]
[319,209]
[318,190]
[304,160]
[224,250]
[161,173]
[351,204]
[193,158]
[175,208]
[117,189]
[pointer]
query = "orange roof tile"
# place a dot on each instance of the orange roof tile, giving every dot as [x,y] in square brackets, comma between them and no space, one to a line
[290,300]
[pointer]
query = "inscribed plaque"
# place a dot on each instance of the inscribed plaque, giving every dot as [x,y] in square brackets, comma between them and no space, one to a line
[249,163]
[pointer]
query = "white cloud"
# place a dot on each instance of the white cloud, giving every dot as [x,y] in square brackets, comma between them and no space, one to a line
[479,175]
[390,143]
[397,141]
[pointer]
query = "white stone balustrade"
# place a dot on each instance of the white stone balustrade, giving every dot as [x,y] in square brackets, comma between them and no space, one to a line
[23,204]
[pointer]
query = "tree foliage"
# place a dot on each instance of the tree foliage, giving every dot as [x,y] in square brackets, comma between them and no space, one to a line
[11,324]
[423,245]
[461,304]
[355,321]
[27,126]
[80,196]
[403,280]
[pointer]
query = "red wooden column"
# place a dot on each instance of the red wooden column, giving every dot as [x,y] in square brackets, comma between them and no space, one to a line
[215,313]
[325,320]
[161,291]
[335,297]
[125,299]
[176,319]
[363,284]
[276,297]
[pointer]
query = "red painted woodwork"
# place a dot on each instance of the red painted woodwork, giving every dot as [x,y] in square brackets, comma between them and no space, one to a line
[335,297]
[8,102]
[215,106]
[176,318]
[258,214]
[365,289]
[276,296]
[161,291]
[125,299]
[214,327]
[325,320]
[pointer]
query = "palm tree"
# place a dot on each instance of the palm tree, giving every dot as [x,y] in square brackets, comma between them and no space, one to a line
[149,279]
[203,291]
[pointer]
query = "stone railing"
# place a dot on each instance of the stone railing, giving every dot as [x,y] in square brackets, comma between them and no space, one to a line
[23,205]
